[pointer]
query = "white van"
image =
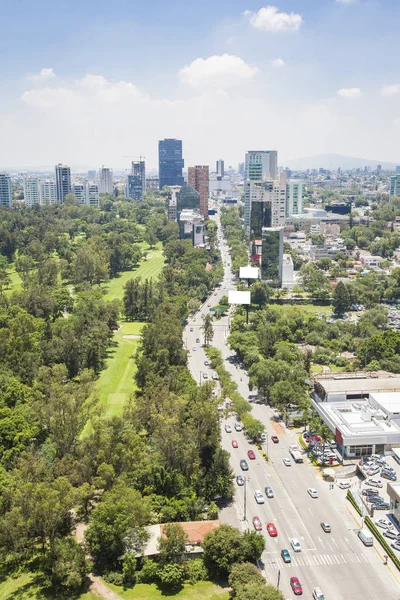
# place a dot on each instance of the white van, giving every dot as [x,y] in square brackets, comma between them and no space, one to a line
[366,537]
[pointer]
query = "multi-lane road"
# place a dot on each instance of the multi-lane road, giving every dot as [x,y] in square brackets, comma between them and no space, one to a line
[337,562]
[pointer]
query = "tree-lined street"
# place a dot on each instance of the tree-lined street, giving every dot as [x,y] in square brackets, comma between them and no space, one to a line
[337,562]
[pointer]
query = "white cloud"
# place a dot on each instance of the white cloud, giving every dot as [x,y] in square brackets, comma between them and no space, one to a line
[43,75]
[349,92]
[390,90]
[396,122]
[48,97]
[277,63]
[221,71]
[269,18]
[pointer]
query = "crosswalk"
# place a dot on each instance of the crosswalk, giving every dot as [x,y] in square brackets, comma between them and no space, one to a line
[315,560]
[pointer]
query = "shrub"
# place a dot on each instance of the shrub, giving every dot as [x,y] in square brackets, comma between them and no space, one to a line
[213,511]
[195,571]
[114,577]
[149,572]
[172,575]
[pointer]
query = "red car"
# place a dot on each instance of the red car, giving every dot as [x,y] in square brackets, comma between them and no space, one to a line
[275,439]
[250,454]
[296,586]
[235,444]
[257,524]
[272,530]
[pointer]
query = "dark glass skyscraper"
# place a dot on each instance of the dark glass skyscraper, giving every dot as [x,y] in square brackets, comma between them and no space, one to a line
[170,162]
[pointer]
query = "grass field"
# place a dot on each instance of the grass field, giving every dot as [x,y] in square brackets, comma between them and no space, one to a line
[314,308]
[149,268]
[15,281]
[204,590]
[28,587]
[116,380]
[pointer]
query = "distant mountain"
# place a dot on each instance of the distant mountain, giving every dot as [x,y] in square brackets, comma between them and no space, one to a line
[334,161]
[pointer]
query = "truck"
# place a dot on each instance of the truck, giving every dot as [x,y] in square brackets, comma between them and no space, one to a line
[296,454]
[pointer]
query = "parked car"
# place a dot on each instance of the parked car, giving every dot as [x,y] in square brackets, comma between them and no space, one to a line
[384,523]
[259,497]
[240,479]
[373,470]
[272,530]
[326,527]
[296,586]
[251,454]
[257,524]
[286,556]
[269,492]
[368,492]
[287,462]
[243,465]
[392,533]
[387,475]
[375,482]
[205,376]
[395,545]
[381,506]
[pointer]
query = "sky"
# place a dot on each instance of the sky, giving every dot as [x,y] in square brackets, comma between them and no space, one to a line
[95,82]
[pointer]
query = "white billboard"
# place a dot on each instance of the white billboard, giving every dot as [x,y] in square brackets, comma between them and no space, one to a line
[238,297]
[248,273]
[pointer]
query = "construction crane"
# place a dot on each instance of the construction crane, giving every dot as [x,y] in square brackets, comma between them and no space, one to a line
[131,156]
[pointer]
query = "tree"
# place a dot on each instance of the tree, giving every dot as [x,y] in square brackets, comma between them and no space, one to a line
[208,330]
[247,583]
[68,565]
[260,293]
[341,299]
[117,525]
[312,277]
[226,546]
[253,426]
[171,545]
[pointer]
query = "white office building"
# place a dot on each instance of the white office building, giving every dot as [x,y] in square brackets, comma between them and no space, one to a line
[294,198]
[31,190]
[266,203]
[92,195]
[106,181]
[86,193]
[47,191]
[5,190]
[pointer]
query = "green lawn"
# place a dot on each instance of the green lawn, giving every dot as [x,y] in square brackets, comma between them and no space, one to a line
[15,281]
[315,369]
[204,590]
[314,308]
[148,268]
[27,587]
[116,380]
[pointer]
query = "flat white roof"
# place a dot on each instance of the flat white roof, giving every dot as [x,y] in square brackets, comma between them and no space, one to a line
[389,401]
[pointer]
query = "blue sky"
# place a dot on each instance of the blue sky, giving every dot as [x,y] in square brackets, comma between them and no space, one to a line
[88,82]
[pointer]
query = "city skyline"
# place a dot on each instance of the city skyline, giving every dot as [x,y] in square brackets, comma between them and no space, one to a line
[238,55]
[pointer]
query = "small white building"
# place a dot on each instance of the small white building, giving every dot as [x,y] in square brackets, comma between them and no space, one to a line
[287,272]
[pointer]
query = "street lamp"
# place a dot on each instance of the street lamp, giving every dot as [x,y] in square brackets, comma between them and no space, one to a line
[201,373]
[245,498]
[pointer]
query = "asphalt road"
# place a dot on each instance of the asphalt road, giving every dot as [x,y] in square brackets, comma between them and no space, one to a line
[337,562]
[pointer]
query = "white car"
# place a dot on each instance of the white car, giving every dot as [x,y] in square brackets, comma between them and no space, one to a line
[287,462]
[296,545]
[384,523]
[313,492]
[375,483]
[344,485]
[259,497]
[238,427]
[373,470]
[205,376]
[194,348]
[215,376]
[317,594]
[228,428]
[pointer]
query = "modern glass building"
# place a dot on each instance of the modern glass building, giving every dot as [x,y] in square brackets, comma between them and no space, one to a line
[188,198]
[63,182]
[170,162]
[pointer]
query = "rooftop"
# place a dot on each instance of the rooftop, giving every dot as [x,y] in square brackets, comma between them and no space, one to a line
[361,381]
